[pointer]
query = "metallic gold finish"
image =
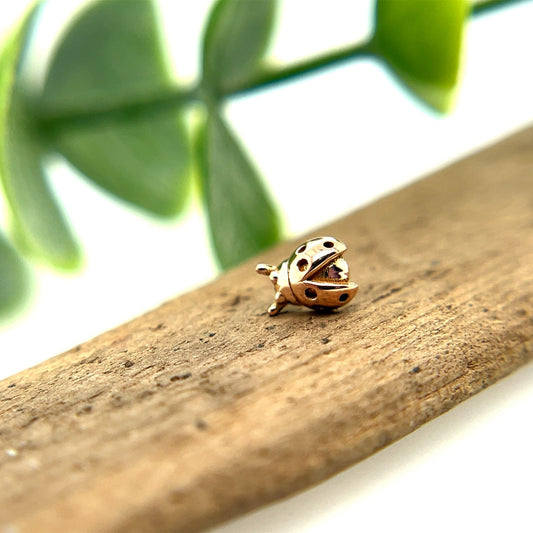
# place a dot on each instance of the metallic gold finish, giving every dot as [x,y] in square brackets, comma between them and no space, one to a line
[315,275]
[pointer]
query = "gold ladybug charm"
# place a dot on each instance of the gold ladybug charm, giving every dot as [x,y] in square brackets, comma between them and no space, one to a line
[315,275]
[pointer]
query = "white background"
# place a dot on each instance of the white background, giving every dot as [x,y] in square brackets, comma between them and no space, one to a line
[351,125]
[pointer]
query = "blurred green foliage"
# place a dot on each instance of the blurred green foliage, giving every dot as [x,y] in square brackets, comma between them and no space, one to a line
[141,158]
[109,106]
[427,59]
[235,41]
[243,220]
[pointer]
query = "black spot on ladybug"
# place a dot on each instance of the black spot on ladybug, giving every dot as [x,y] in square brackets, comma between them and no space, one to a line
[302,264]
[343,297]
[311,293]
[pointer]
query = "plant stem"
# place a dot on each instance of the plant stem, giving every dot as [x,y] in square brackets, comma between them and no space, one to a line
[488,5]
[175,98]
[272,76]
[161,102]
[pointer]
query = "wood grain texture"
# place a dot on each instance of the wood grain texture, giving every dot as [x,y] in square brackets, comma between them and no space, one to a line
[206,407]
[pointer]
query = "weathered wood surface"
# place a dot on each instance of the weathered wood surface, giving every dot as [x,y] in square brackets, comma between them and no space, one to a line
[206,407]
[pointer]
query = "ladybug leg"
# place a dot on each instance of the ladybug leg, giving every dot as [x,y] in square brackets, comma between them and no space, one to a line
[262,268]
[279,303]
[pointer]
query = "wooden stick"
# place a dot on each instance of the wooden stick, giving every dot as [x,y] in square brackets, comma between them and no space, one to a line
[206,407]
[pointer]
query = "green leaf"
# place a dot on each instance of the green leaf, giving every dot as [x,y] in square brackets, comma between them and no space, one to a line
[242,219]
[111,56]
[14,279]
[422,41]
[237,34]
[144,160]
[38,223]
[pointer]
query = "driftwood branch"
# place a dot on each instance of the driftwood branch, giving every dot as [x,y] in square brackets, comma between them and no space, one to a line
[206,407]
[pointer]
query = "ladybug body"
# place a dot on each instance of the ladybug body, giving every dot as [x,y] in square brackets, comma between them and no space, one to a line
[315,275]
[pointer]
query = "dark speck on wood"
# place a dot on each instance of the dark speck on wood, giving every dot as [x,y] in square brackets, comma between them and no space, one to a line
[179,377]
[235,301]
[201,424]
